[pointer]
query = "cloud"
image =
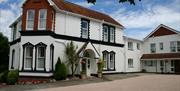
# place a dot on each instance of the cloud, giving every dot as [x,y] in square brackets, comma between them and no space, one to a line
[3,1]
[7,16]
[144,20]
[85,4]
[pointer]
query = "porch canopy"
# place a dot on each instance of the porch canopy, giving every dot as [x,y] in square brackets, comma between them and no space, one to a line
[161,56]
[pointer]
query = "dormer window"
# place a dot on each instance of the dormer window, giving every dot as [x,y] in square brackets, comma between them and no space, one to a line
[42,19]
[30,19]
[84,28]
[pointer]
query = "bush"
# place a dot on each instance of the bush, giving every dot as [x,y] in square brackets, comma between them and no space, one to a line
[12,77]
[3,77]
[60,71]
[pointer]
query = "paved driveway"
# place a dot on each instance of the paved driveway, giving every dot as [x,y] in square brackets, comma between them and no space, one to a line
[141,83]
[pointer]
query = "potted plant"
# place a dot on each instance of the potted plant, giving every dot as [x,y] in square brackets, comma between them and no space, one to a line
[100,68]
[83,74]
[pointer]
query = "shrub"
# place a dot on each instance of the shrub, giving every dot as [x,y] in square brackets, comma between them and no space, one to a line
[3,77]
[60,71]
[12,77]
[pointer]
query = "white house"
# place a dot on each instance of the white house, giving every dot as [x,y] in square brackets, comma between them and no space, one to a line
[161,50]
[40,34]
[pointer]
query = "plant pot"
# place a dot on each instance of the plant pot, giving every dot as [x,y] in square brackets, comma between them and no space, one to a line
[99,75]
[83,76]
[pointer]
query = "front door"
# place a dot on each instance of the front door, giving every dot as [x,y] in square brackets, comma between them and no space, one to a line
[88,67]
[177,66]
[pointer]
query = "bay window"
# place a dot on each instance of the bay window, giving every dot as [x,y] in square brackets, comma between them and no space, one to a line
[42,19]
[30,19]
[109,60]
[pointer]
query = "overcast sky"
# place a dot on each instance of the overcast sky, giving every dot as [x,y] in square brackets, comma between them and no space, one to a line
[139,20]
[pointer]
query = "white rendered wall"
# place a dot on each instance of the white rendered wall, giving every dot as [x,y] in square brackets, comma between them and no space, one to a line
[166,43]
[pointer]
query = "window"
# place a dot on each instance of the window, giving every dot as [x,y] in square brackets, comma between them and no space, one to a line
[173,46]
[42,19]
[84,29]
[172,63]
[13,57]
[105,58]
[105,33]
[178,46]
[28,57]
[112,60]
[14,32]
[108,33]
[30,20]
[161,63]
[161,47]
[153,48]
[138,46]
[130,46]
[112,34]
[130,63]
[51,57]
[40,56]
[149,63]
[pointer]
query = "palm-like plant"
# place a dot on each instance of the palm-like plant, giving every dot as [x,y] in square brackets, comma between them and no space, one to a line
[72,56]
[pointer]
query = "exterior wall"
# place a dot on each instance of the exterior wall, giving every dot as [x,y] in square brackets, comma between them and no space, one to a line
[70,25]
[16,59]
[166,43]
[134,54]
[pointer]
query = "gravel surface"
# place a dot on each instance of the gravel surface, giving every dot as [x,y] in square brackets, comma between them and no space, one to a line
[140,83]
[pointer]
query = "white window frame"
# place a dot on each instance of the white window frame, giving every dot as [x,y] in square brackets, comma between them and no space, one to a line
[84,30]
[106,59]
[105,34]
[38,57]
[28,57]
[112,34]
[40,19]
[153,48]
[28,20]
[173,46]
[130,63]
[130,46]
[161,46]
[138,46]
[111,62]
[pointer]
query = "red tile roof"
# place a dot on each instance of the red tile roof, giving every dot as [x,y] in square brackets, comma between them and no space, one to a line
[70,7]
[161,56]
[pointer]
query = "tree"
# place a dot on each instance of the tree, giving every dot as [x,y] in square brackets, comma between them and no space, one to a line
[120,1]
[4,52]
[72,56]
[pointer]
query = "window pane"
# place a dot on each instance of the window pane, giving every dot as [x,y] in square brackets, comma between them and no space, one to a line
[30,20]
[105,32]
[105,57]
[112,36]
[42,18]
[29,51]
[161,46]
[130,63]
[173,46]
[178,46]
[28,63]
[153,48]
[41,62]
[112,61]
[130,46]
[84,28]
